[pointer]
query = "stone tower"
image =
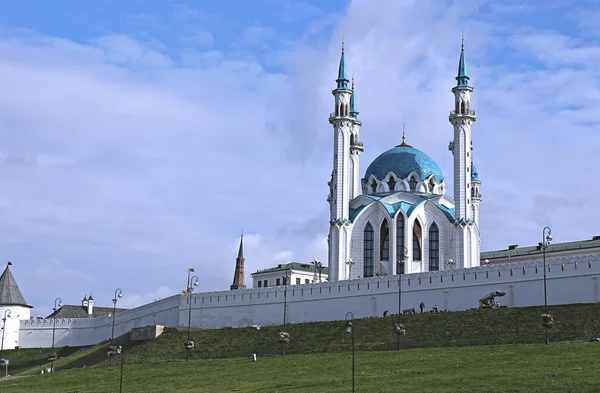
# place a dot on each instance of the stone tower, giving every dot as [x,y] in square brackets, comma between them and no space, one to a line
[238,276]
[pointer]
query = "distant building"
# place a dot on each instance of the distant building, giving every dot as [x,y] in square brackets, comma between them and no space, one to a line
[514,253]
[299,273]
[86,310]
[13,309]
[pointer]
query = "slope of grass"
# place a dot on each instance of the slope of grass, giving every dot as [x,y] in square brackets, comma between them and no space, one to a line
[490,369]
[467,328]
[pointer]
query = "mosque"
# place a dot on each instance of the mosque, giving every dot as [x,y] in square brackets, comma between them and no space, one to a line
[397,218]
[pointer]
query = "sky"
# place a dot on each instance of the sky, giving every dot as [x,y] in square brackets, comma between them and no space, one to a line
[140,138]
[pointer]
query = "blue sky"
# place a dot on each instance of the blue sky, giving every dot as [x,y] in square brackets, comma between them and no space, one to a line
[139,138]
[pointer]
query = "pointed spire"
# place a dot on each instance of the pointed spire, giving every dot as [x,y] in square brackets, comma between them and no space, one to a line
[342,80]
[403,138]
[462,79]
[241,250]
[10,294]
[353,111]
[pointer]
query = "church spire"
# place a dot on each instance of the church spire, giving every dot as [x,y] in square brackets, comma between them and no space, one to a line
[241,250]
[342,79]
[462,79]
[238,275]
[353,111]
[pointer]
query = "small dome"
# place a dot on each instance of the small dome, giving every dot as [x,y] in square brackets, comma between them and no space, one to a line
[474,174]
[402,160]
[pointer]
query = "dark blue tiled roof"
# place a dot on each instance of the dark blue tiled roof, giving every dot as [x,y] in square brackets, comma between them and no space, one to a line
[402,160]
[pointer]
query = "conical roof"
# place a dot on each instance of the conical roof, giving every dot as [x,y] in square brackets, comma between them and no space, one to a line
[10,294]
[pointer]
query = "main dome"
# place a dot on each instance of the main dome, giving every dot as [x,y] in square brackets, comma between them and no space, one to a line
[402,160]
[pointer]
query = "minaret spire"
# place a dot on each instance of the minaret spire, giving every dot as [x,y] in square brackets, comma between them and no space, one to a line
[462,79]
[353,111]
[342,79]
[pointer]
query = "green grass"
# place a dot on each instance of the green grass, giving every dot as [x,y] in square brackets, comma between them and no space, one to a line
[503,369]
[468,328]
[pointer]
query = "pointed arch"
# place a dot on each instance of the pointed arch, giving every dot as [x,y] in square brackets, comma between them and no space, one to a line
[368,250]
[384,241]
[462,108]
[417,241]
[413,183]
[400,246]
[434,247]
[374,185]
[391,183]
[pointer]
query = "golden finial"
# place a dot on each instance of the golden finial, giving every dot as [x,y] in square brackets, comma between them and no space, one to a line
[462,45]
[342,44]
[352,80]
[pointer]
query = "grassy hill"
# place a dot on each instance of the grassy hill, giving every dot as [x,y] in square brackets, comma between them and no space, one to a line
[527,368]
[456,329]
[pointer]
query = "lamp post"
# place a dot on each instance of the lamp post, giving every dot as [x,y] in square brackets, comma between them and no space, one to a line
[318,269]
[192,282]
[400,271]
[120,352]
[350,330]
[451,263]
[349,263]
[7,314]
[285,278]
[118,295]
[57,304]
[546,239]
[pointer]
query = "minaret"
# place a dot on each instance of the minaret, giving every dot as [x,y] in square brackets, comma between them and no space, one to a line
[475,190]
[356,147]
[238,276]
[461,118]
[343,123]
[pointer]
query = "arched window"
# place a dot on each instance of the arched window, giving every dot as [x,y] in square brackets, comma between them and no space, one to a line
[462,108]
[434,247]
[413,183]
[384,246]
[368,251]
[400,243]
[417,236]
[392,183]
[374,185]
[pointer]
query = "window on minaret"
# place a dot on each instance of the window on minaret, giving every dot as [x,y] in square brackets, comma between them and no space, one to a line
[434,247]
[417,236]
[368,251]
[384,236]
[400,242]
[413,184]
[392,183]
[462,108]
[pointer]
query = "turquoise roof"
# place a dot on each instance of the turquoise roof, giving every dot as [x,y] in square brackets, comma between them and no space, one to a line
[474,174]
[407,208]
[462,79]
[402,160]
[342,79]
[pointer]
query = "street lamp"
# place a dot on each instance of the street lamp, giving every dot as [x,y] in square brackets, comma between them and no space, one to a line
[350,330]
[349,263]
[285,278]
[118,295]
[451,263]
[400,271]
[120,352]
[192,282]
[546,239]
[318,268]
[57,304]
[6,316]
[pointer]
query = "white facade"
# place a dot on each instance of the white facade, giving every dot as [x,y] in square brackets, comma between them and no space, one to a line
[274,278]
[10,327]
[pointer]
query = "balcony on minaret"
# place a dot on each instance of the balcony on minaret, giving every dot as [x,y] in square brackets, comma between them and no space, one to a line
[451,145]
[357,145]
[469,112]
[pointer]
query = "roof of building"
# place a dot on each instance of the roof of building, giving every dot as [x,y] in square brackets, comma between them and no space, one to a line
[297,266]
[402,160]
[73,311]
[10,294]
[474,174]
[241,250]
[516,251]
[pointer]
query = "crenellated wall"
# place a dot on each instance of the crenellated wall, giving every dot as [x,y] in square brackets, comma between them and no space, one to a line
[569,280]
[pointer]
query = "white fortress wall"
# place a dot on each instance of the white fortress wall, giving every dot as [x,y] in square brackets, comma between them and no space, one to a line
[87,331]
[569,280]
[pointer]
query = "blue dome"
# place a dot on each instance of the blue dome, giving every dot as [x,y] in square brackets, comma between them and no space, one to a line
[402,160]
[474,174]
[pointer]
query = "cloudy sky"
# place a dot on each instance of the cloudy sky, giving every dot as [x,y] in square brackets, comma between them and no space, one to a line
[139,138]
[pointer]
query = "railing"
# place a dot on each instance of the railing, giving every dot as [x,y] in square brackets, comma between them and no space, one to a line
[459,113]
